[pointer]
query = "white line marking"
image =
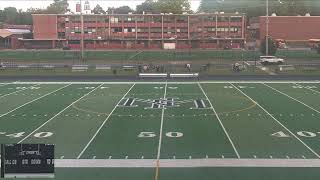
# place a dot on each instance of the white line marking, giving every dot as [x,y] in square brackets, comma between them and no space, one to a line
[161,124]
[33,100]
[224,129]
[58,114]
[277,121]
[13,92]
[176,163]
[104,122]
[175,83]
[292,98]
[308,88]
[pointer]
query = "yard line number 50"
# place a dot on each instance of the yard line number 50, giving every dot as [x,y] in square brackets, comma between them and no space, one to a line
[153,134]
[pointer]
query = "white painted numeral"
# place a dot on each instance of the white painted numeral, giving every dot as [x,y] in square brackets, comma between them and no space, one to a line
[89,87]
[280,134]
[174,134]
[306,134]
[43,134]
[152,134]
[147,134]
[15,135]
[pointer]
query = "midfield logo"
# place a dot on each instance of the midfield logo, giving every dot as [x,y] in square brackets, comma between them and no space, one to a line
[163,103]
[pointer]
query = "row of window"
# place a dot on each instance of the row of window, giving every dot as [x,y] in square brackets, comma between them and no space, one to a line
[130,29]
[166,19]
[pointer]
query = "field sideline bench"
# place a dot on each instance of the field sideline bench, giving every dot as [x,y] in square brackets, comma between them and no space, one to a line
[185,75]
[153,75]
[103,67]
[79,68]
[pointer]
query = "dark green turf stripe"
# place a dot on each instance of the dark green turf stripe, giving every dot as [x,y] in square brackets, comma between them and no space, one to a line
[29,117]
[202,134]
[119,136]
[294,115]
[250,126]
[77,124]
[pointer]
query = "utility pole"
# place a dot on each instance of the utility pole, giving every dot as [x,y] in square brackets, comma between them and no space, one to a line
[267,28]
[82,33]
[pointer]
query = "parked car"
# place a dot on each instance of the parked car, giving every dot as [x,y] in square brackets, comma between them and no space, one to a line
[268,60]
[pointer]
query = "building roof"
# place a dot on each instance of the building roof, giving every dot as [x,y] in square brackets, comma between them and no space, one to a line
[8,32]
[147,14]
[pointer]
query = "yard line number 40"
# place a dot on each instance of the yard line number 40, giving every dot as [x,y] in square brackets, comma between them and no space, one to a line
[21,134]
[307,134]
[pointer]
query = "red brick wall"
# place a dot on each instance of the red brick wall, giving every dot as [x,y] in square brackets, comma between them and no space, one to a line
[45,27]
[291,28]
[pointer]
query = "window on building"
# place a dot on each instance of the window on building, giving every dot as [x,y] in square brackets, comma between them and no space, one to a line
[235,19]
[223,19]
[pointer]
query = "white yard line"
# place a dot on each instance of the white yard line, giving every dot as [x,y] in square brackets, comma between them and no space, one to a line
[184,163]
[292,98]
[33,100]
[58,114]
[309,88]
[104,122]
[161,124]
[277,121]
[216,114]
[172,82]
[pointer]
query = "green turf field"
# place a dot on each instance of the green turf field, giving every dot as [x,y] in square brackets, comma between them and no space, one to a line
[169,130]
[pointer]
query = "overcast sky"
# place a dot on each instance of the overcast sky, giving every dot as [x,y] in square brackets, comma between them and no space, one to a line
[19,4]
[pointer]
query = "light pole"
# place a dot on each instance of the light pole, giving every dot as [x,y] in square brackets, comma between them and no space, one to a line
[81,41]
[267,28]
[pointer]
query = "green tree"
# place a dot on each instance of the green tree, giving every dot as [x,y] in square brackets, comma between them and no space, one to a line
[119,10]
[147,6]
[58,7]
[123,10]
[98,10]
[2,16]
[11,15]
[173,6]
[272,47]
[318,48]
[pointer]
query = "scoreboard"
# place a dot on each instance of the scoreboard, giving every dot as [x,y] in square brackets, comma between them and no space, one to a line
[27,160]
